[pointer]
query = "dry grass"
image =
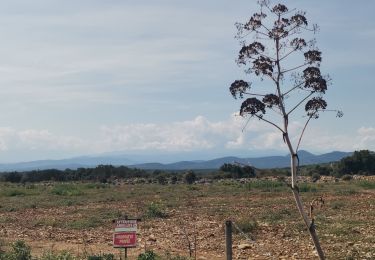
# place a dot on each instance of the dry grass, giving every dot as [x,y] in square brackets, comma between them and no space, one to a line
[78,217]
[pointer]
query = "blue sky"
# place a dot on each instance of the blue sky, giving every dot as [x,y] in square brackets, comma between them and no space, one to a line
[144,77]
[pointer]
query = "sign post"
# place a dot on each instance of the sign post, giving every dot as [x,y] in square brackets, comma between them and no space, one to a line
[125,235]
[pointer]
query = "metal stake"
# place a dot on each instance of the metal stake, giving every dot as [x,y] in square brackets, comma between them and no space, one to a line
[228,239]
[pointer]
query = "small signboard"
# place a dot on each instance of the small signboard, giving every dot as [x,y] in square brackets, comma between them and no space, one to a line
[125,239]
[125,235]
[126,225]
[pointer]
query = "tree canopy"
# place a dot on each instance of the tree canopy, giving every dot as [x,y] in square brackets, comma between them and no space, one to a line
[273,48]
[361,162]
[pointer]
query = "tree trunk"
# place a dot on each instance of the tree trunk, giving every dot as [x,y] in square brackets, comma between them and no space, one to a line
[309,224]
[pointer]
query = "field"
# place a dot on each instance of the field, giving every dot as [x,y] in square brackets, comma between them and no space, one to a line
[78,217]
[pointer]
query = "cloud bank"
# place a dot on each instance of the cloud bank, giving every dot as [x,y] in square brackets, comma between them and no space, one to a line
[197,135]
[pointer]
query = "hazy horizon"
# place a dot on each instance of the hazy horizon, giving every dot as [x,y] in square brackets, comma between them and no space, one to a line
[166,158]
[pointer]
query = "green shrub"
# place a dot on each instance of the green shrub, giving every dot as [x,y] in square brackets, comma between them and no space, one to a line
[155,210]
[369,185]
[246,225]
[190,177]
[174,179]
[108,256]
[162,179]
[13,193]
[50,255]
[238,171]
[66,190]
[305,187]
[96,186]
[94,257]
[148,255]
[19,251]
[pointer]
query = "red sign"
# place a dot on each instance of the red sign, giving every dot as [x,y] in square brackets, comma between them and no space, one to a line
[125,239]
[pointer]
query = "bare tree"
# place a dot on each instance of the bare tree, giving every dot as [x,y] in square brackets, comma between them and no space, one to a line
[273,48]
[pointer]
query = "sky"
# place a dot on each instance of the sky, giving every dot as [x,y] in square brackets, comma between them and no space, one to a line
[151,77]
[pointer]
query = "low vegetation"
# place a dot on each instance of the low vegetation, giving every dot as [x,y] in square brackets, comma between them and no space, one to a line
[19,250]
[57,212]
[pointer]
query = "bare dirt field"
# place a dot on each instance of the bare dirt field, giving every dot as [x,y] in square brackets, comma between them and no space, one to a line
[78,217]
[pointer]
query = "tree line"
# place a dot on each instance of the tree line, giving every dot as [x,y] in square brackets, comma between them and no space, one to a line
[110,173]
[359,163]
[101,173]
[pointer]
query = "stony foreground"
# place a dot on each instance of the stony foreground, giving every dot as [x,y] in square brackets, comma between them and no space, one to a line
[175,216]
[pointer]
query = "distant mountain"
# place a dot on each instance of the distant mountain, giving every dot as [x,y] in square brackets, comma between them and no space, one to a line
[117,160]
[260,162]
[72,163]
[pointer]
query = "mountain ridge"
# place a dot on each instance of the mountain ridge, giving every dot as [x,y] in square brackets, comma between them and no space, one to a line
[306,158]
[118,160]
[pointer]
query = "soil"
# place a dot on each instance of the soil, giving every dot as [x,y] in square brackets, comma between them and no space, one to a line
[199,220]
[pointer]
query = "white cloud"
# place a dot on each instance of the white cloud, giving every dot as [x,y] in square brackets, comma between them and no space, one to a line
[318,139]
[268,140]
[44,140]
[191,135]
[366,137]
[40,141]
[201,134]
[5,134]
[198,134]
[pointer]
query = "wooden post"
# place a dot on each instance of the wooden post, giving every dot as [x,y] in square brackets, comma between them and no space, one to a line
[228,239]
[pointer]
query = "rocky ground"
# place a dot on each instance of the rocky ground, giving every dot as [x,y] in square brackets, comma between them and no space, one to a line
[196,215]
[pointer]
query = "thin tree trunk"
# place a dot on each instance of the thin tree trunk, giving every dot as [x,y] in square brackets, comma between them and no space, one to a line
[293,167]
[309,224]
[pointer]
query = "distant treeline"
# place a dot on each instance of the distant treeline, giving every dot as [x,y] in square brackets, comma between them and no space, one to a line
[361,162]
[108,173]
[100,173]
